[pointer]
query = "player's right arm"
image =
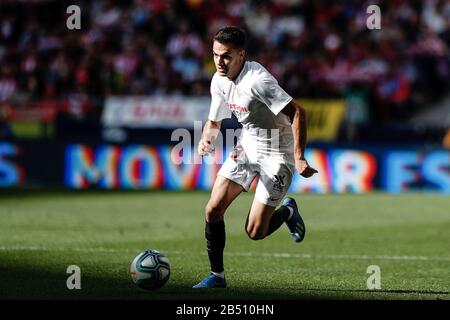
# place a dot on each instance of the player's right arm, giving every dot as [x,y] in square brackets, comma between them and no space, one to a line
[209,135]
[217,113]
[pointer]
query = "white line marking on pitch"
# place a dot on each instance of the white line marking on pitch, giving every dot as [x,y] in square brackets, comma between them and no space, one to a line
[239,254]
[339,256]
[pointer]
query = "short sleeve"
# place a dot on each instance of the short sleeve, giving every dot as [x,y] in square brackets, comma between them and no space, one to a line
[267,90]
[218,110]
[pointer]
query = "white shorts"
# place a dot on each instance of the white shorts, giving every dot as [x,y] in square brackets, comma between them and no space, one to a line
[274,174]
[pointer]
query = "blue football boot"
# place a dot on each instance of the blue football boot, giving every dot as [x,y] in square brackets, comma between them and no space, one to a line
[211,281]
[295,224]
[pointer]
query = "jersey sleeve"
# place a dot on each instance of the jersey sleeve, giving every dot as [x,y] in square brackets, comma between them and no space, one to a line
[218,110]
[267,90]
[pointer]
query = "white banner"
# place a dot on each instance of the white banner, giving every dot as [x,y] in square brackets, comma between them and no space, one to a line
[155,112]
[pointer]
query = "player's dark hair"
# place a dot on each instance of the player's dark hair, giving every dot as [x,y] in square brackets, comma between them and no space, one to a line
[232,35]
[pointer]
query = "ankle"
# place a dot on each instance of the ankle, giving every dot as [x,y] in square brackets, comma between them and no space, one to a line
[219,274]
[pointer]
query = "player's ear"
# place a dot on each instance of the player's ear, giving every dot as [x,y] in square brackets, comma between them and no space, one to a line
[242,53]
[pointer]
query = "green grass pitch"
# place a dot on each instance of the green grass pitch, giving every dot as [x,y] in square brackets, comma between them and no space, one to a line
[42,233]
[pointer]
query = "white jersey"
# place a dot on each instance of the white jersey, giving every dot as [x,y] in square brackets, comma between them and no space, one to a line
[256,99]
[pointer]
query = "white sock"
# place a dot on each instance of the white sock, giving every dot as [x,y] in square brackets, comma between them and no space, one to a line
[219,274]
[291,212]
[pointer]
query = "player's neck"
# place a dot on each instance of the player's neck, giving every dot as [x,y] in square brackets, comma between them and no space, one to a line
[239,72]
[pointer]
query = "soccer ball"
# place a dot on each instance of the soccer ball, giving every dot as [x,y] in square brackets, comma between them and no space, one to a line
[150,269]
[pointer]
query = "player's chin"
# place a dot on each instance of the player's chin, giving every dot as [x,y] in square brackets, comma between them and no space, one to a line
[222,72]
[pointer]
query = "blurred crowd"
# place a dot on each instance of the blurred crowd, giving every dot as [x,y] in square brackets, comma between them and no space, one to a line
[315,48]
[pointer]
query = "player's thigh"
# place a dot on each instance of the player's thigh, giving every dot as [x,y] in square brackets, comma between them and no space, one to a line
[258,219]
[223,193]
[274,182]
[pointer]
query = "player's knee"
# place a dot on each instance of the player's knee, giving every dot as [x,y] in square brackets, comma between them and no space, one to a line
[213,213]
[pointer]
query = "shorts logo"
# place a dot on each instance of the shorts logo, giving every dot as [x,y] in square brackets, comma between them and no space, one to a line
[279,180]
[278,183]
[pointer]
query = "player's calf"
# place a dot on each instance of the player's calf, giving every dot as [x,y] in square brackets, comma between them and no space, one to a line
[256,234]
[255,231]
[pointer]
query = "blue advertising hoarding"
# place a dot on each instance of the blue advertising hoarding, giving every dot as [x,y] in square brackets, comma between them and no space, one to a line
[341,170]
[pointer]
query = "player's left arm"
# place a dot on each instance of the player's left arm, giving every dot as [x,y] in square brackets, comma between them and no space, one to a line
[297,115]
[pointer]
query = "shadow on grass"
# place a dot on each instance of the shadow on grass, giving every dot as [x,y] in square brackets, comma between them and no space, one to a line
[25,283]
[20,283]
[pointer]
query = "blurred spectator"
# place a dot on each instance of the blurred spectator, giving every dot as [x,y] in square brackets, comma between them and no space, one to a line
[184,40]
[357,112]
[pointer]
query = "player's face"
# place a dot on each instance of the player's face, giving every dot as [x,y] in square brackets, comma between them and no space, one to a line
[227,59]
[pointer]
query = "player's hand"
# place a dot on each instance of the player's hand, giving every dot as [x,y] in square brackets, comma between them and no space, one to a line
[205,147]
[304,169]
[236,153]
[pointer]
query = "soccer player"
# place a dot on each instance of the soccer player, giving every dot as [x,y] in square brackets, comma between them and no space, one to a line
[271,147]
